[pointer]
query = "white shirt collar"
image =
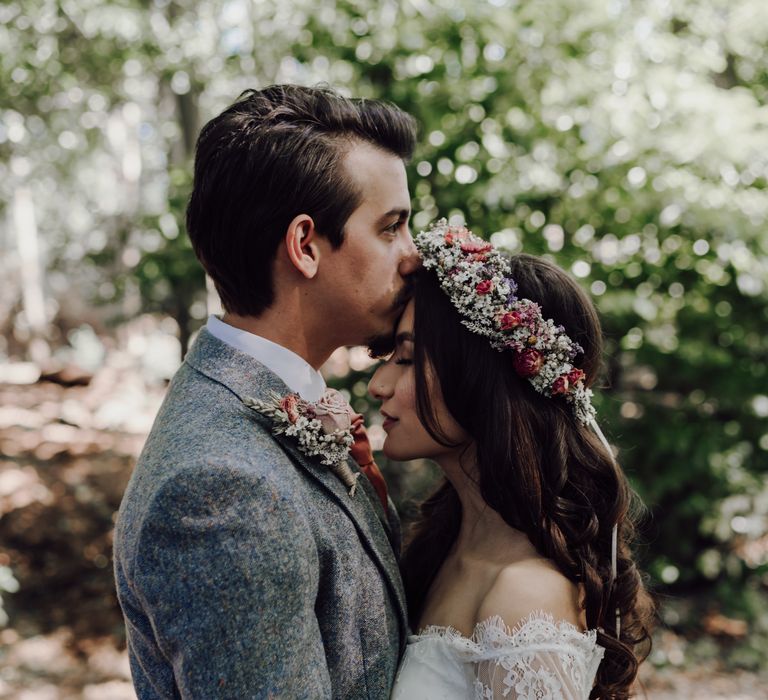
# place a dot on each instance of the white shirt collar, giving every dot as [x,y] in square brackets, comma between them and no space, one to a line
[298,375]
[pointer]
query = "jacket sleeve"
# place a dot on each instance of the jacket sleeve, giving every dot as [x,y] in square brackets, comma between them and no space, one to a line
[227,571]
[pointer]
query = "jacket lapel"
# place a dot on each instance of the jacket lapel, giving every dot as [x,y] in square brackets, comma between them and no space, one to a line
[246,377]
[361,509]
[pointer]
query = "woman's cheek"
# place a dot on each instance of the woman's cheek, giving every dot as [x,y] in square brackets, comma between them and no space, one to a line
[407,391]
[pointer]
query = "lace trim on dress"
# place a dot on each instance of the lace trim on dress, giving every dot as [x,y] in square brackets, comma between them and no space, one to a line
[537,659]
[538,629]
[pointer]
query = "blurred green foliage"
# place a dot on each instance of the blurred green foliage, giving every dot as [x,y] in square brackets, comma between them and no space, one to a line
[626,140]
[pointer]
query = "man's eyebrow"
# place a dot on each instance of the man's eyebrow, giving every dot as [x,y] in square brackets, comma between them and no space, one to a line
[401,214]
[405,336]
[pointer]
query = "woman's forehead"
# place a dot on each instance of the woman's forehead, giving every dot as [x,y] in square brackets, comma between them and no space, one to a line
[405,325]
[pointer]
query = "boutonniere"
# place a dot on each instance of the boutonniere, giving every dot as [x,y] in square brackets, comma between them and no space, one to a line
[322,429]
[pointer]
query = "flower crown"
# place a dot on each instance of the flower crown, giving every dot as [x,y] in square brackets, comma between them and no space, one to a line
[476,278]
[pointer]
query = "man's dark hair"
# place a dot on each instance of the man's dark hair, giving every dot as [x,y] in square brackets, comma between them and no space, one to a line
[272,155]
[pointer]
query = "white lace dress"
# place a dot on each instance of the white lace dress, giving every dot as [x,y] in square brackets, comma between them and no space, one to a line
[539,659]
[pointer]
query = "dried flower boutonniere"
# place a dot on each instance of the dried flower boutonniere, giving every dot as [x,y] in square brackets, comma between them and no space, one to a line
[322,429]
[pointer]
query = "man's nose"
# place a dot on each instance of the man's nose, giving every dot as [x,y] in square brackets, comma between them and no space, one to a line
[411,261]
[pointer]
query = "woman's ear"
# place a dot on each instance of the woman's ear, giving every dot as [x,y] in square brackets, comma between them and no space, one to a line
[301,245]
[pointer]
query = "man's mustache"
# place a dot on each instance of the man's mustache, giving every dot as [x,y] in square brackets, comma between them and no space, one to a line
[404,295]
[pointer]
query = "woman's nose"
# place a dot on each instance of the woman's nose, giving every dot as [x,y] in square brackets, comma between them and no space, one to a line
[378,386]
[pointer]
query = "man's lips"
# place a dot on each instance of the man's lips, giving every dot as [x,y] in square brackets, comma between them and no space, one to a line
[389,421]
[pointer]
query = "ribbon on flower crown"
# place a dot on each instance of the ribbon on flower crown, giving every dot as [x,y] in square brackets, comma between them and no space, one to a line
[615,530]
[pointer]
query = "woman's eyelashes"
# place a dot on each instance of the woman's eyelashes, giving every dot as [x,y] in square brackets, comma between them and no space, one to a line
[403,361]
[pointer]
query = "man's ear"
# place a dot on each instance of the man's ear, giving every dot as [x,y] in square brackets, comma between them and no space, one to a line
[301,245]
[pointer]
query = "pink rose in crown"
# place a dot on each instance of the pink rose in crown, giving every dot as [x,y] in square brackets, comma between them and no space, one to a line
[560,386]
[333,411]
[575,376]
[528,362]
[291,404]
[475,246]
[510,320]
[484,287]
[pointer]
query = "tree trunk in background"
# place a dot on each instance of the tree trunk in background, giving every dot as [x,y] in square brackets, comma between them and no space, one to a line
[188,116]
[32,293]
[189,121]
[184,106]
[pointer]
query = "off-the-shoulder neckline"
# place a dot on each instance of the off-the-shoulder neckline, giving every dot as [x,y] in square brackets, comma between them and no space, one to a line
[495,630]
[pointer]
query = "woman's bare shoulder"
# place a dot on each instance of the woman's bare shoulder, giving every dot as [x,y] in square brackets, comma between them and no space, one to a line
[530,586]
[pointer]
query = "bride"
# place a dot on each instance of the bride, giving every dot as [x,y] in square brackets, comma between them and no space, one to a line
[519,574]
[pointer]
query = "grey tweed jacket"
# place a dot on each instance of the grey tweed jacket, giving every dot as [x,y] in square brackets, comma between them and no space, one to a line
[243,568]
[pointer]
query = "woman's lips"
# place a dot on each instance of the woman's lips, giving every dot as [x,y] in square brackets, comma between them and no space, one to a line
[389,421]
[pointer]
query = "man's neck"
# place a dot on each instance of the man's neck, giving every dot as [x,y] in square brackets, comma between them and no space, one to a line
[284,330]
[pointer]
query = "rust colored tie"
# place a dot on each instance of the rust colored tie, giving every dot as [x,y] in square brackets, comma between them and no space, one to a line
[362,454]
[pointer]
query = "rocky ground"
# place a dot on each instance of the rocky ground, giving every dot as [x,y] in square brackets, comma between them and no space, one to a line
[66,450]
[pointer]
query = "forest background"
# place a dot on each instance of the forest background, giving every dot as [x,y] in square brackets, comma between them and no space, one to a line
[626,140]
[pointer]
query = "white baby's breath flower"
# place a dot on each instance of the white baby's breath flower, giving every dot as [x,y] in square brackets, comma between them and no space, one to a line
[477,279]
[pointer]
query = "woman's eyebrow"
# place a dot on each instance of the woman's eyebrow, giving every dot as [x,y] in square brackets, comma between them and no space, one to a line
[405,336]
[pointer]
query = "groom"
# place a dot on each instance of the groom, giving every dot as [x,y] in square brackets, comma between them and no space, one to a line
[244,568]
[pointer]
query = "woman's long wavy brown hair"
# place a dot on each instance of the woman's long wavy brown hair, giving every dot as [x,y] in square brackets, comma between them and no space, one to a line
[537,466]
